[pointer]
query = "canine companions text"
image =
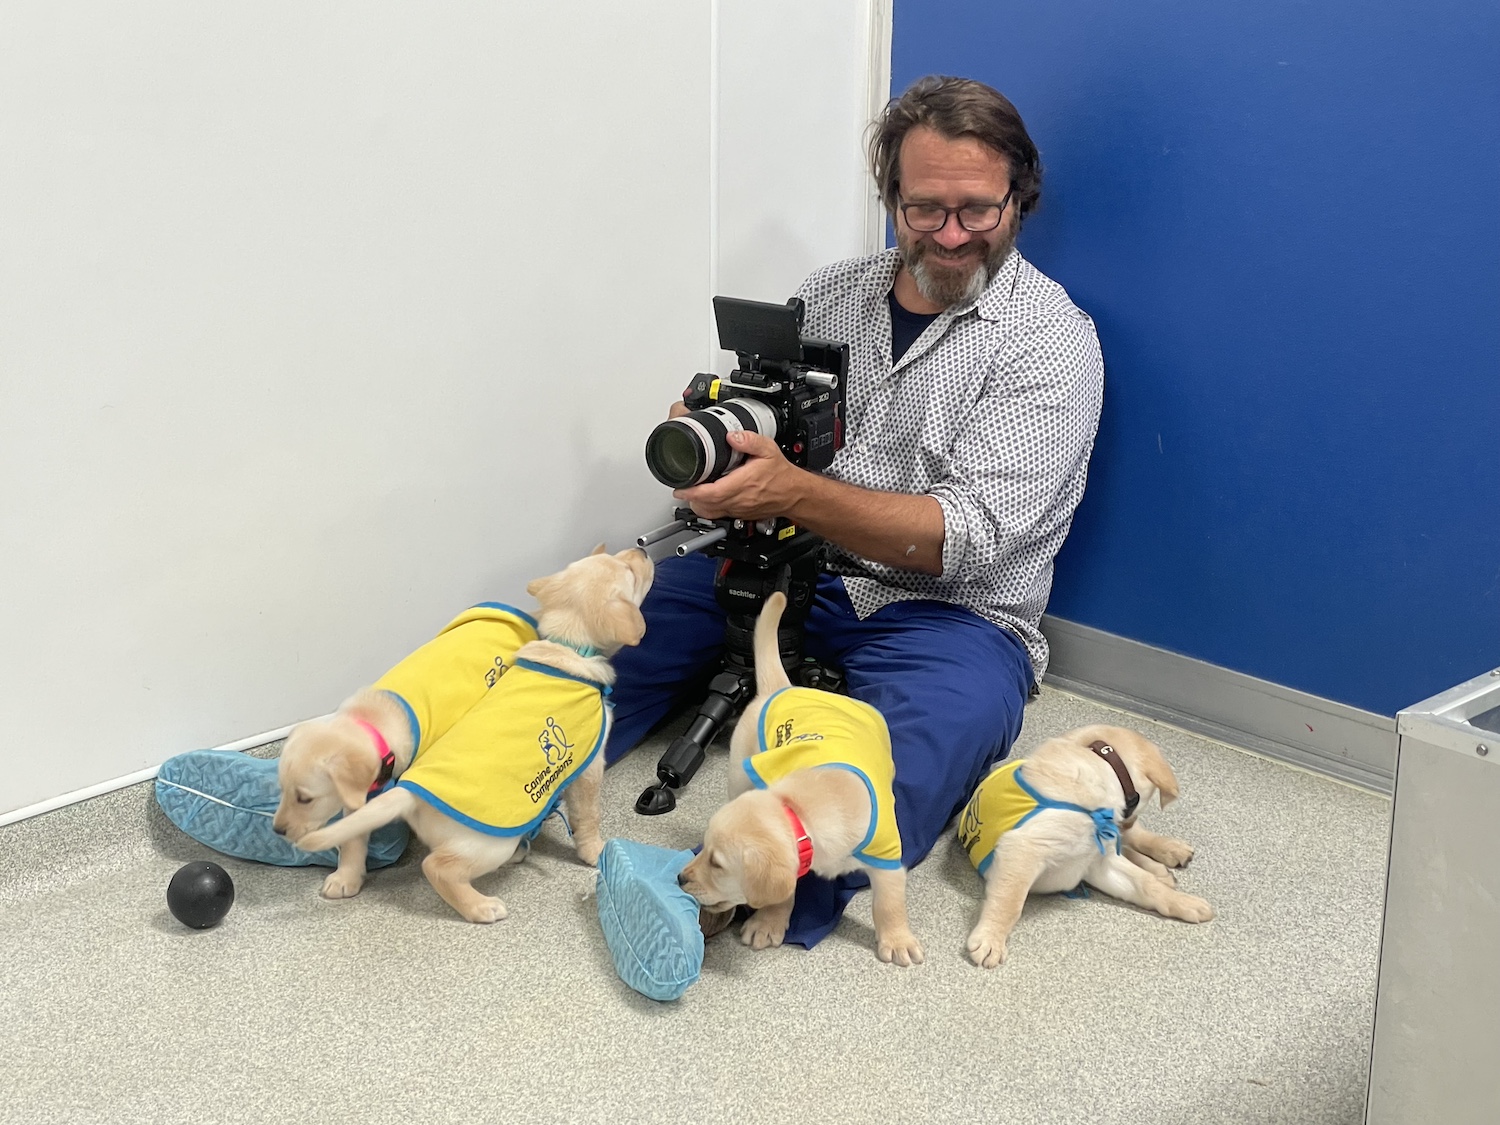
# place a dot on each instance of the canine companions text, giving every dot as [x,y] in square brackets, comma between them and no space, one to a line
[491,780]
[1069,814]
[810,790]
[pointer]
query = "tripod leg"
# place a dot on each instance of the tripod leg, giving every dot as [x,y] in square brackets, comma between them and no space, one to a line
[727,693]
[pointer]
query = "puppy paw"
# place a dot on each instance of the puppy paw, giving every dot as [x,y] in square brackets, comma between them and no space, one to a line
[343,884]
[1173,853]
[759,932]
[486,910]
[589,851]
[900,948]
[986,948]
[1189,908]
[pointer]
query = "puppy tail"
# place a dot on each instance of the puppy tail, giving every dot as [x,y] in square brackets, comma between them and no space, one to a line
[769,674]
[389,806]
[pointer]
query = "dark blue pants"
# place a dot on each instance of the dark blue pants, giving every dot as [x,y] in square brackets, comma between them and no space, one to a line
[952,688]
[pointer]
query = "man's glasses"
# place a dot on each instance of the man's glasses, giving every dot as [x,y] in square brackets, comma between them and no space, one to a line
[976,218]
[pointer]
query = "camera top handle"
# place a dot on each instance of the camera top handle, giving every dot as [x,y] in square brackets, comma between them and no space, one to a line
[769,336]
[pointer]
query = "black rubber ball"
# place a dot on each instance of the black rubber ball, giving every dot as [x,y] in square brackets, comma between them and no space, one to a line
[200,894]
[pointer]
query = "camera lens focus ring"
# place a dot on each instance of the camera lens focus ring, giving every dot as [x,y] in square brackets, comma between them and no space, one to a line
[694,449]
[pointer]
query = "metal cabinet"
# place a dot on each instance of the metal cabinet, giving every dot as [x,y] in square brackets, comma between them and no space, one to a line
[1436,1053]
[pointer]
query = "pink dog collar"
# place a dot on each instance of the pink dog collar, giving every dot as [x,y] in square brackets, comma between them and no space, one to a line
[804,841]
[387,759]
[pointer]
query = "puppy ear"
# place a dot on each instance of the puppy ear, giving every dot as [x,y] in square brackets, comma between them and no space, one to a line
[766,877]
[599,550]
[539,586]
[623,622]
[351,780]
[1158,772]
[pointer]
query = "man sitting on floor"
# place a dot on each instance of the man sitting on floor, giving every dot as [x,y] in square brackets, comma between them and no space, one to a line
[971,405]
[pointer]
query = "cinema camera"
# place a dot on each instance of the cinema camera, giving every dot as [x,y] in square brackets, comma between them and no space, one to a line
[789,388]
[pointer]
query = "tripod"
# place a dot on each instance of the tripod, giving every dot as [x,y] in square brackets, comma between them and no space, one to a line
[741,584]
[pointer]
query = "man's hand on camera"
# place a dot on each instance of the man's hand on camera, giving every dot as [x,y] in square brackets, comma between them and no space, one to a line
[678,409]
[764,486]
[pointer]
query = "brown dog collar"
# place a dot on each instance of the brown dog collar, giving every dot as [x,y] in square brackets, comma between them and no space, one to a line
[1112,756]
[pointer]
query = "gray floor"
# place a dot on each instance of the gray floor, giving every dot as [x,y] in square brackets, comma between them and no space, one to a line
[389,1008]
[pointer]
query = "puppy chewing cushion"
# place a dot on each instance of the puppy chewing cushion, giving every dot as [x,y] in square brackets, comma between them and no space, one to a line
[226,800]
[650,923]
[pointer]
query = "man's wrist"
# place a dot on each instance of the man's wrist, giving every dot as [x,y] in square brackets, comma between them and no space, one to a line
[806,488]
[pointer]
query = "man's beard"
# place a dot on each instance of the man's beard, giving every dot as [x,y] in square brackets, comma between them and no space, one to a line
[946,280]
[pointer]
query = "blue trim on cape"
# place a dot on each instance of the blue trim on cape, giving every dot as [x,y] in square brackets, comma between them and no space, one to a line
[532,826]
[521,613]
[1105,828]
[411,721]
[548,670]
[859,852]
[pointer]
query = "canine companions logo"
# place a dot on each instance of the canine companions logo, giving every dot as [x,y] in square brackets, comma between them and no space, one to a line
[559,754]
[492,675]
[784,734]
[970,825]
[554,742]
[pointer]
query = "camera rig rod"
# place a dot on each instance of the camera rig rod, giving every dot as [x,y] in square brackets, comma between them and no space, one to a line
[701,542]
[665,531]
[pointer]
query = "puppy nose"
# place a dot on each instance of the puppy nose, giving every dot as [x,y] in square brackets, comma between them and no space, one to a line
[278,829]
[682,878]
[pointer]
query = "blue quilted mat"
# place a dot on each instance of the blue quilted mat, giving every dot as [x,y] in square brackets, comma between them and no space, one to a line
[226,799]
[650,923]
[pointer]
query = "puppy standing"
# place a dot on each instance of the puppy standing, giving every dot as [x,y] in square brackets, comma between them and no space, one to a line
[1061,822]
[498,773]
[334,765]
[822,770]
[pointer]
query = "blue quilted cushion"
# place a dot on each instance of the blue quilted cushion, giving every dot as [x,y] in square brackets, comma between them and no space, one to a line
[650,923]
[226,799]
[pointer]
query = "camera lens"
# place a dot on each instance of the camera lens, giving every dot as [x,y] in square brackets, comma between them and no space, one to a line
[694,449]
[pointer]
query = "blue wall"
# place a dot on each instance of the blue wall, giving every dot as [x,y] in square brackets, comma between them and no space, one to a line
[1285,220]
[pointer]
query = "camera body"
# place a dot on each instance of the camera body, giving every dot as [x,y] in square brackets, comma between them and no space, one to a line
[786,386]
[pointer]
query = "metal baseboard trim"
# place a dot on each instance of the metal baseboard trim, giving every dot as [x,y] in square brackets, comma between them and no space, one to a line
[15,816]
[1278,722]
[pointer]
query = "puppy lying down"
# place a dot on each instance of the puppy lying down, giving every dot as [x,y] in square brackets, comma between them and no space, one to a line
[1066,815]
[498,772]
[810,790]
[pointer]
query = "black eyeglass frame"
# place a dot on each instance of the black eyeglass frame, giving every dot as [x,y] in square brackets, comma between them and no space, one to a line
[957,212]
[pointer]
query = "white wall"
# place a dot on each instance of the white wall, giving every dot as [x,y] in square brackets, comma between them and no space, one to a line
[797,83]
[319,322]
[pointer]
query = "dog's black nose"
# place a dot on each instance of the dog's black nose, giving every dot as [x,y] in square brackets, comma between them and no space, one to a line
[278,831]
[682,878]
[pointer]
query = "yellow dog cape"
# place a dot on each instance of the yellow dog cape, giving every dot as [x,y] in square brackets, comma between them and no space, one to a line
[442,680]
[803,728]
[502,767]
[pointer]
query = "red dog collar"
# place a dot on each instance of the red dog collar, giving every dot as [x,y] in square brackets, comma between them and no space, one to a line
[387,759]
[804,841]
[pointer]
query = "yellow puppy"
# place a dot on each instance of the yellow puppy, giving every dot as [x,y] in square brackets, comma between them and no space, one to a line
[334,765]
[822,771]
[537,737]
[1066,815]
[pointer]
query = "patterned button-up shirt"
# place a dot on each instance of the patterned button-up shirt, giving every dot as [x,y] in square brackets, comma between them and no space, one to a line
[992,412]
